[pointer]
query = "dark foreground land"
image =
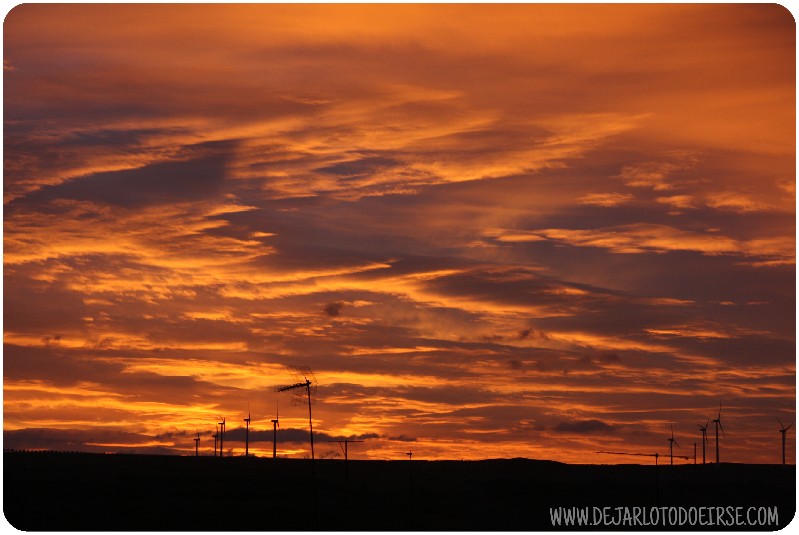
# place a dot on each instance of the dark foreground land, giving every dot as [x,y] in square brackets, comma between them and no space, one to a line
[90,492]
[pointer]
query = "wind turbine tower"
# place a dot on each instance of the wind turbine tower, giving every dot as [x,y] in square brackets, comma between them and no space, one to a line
[717,421]
[783,430]
[308,382]
[275,427]
[216,439]
[247,436]
[704,438]
[672,442]
[221,436]
[197,445]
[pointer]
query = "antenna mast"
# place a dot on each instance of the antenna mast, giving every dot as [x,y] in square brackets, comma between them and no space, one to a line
[307,381]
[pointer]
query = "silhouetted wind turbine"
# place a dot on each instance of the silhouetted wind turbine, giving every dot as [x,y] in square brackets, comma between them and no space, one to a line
[222,436]
[216,439]
[717,421]
[304,372]
[247,435]
[783,431]
[275,427]
[409,453]
[704,438]
[197,445]
[672,442]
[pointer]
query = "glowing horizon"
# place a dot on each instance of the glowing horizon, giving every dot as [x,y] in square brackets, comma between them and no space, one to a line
[491,230]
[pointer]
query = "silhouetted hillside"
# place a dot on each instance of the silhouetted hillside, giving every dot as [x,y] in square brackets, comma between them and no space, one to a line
[87,492]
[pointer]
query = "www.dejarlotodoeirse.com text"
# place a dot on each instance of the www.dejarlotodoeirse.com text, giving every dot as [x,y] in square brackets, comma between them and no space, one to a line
[623,516]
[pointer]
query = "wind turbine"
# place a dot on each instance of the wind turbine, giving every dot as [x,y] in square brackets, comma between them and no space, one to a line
[704,438]
[222,436]
[298,399]
[783,431]
[717,421]
[247,435]
[275,427]
[197,445]
[672,442]
[409,453]
[216,439]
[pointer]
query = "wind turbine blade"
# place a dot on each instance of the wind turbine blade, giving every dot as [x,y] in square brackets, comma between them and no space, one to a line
[676,444]
[781,424]
[789,427]
[722,430]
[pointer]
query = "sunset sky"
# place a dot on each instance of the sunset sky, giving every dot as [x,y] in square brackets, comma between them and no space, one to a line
[491,231]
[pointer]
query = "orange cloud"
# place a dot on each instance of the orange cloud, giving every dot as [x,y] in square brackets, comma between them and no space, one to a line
[640,238]
[605,199]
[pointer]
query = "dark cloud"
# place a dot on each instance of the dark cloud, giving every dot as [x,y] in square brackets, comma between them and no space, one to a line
[333,309]
[609,357]
[93,441]
[34,159]
[524,334]
[402,438]
[583,426]
[199,173]
[360,167]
